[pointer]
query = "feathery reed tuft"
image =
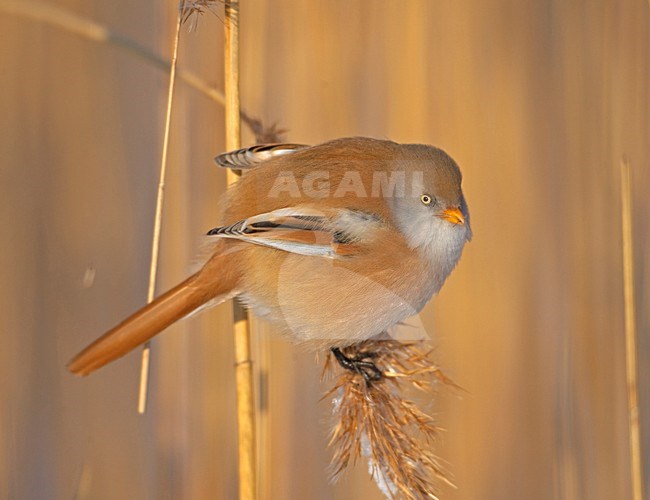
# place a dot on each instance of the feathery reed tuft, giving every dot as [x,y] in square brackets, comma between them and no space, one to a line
[264,134]
[374,419]
[193,9]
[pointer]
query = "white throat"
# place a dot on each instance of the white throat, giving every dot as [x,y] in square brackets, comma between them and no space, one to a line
[440,242]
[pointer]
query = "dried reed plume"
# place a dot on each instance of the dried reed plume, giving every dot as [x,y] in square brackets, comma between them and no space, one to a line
[193,9]
[264,134]
[376,421]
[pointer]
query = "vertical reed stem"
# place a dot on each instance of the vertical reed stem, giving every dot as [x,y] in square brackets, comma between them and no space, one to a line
[155,245]
[243,363]
[630,333]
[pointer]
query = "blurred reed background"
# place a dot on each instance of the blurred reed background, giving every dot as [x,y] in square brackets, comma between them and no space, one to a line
[537,101]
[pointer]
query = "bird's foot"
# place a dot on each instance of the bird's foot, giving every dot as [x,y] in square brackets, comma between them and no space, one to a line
[359,364]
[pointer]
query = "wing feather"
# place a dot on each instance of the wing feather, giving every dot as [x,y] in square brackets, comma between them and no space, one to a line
[304,231]
[248,158]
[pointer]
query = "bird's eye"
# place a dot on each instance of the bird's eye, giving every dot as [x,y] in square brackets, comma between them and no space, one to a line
[426,199]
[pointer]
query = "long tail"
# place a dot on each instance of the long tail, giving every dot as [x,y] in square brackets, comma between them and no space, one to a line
[153,318]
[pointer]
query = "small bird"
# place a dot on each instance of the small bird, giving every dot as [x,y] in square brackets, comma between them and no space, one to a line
[332,244]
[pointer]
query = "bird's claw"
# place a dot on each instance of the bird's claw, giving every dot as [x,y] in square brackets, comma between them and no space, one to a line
[367,369]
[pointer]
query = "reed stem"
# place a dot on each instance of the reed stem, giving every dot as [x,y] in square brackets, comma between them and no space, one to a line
[160,198]
[630,333]
[243,362]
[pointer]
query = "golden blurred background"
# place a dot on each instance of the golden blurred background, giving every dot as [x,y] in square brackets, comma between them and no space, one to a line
[538,102]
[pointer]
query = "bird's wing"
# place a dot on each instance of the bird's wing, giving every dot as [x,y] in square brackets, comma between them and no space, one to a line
[305,231]
[247,158]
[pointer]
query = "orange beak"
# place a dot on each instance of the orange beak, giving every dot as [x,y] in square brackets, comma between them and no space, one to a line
[453,215]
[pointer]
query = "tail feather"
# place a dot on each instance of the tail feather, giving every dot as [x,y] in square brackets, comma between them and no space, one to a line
[144,324]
